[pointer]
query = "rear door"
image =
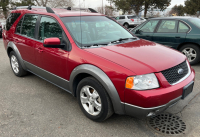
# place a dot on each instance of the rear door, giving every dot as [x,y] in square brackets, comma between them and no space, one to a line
[24,37]
[171,33]
[147,30]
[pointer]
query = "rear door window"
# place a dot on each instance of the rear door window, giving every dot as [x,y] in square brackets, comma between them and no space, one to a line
[11,19]
[168,26]
[122,17]
[18,28]
[28,26]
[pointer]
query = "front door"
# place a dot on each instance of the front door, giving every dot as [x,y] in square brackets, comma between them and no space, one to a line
[147,31]
[171,33]
[52,63]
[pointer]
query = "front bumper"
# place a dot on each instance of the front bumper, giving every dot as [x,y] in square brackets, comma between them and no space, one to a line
[140,112]
[142,104]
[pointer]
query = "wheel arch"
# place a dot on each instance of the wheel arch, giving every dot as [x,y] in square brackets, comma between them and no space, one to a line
[12,47]
[182,44]
[125,23]
[86,70]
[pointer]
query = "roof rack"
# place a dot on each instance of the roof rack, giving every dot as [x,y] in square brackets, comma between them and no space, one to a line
[90,9]
[49,10]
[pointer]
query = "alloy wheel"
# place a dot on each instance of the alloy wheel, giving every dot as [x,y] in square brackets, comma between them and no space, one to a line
[90,100]
[14,64]
[190,53]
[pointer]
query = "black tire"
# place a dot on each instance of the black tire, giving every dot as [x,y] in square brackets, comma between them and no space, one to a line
[21,71]
[106,105]
[197,50]
[126,25]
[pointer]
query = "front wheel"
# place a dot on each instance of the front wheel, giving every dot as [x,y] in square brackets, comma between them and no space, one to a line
[93,100]
[192,52]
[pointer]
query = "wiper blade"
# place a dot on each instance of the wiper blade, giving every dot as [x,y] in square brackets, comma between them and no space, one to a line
[95,45]
[121,39]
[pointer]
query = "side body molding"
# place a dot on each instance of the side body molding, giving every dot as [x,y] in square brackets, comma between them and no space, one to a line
[104,80]
[14,47]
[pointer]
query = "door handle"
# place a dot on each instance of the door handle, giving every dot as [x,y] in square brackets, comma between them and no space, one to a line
[177,37]
[147,36]
[40,50]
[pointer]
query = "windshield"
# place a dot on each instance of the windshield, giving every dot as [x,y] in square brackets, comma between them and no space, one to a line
[195,21]
[94,30]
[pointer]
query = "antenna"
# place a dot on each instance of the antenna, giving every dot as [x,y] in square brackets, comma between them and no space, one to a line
[80,22]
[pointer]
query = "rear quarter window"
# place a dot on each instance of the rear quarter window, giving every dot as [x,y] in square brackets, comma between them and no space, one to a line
[11,19]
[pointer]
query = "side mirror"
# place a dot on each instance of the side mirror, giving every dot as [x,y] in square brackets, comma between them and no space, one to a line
[137,31]
[52,43]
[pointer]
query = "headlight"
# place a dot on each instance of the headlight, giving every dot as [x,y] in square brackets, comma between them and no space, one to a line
[142,82]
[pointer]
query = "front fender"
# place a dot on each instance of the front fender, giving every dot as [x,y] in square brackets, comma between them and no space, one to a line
[104,80]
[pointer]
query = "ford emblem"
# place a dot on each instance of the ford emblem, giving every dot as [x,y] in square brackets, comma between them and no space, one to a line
[180,71]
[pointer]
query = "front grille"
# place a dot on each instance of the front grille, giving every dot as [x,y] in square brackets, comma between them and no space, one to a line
[172,74]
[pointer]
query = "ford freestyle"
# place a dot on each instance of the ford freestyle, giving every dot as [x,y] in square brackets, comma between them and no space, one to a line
[97,60]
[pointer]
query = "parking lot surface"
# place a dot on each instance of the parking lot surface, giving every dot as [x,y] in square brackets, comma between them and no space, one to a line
[30,106]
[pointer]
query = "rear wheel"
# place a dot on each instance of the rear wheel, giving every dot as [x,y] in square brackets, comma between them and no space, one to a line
[192,52]
[15,65]
[126,25]
[93,100]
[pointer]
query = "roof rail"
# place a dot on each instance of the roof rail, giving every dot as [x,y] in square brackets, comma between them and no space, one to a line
[49,10]
[90,9]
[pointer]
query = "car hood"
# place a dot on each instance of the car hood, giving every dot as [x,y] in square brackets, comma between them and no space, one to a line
[141,56]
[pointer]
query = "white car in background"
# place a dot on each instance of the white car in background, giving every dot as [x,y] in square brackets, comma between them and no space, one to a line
[130,20]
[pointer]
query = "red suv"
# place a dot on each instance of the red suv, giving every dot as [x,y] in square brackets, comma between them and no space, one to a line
[97,60]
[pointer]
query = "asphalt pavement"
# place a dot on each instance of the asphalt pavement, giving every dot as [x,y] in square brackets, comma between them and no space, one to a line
[30,106]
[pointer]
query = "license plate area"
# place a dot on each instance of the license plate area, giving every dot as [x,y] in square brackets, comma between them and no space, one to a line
[187,90]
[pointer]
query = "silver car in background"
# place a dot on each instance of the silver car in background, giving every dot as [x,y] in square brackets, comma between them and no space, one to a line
[130,20]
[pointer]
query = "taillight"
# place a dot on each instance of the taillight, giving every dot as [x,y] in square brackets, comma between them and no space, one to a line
[132,20]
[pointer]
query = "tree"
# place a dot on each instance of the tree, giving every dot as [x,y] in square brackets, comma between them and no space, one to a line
[22,3]
[192,7]
[177,10]
[4,5]
[160,4]
[60,3]
[139,5]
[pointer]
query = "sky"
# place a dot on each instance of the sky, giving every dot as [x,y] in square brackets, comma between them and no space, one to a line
[98,3]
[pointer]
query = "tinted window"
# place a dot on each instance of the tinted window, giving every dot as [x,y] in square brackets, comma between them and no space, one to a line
[182,27]
[150,26]
[131,17]
[28,25]
[49,28]
[117,18]
[11,19]
[195,21]
[122,17]
[18,29]
[168,26]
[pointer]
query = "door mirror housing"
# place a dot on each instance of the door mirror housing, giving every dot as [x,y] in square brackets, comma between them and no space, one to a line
[52,43]
[137,31]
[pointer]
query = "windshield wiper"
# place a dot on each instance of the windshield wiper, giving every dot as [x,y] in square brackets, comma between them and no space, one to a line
[121,39]
[96,45]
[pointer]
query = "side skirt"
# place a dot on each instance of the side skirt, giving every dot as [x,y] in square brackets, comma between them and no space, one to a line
[48,76]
